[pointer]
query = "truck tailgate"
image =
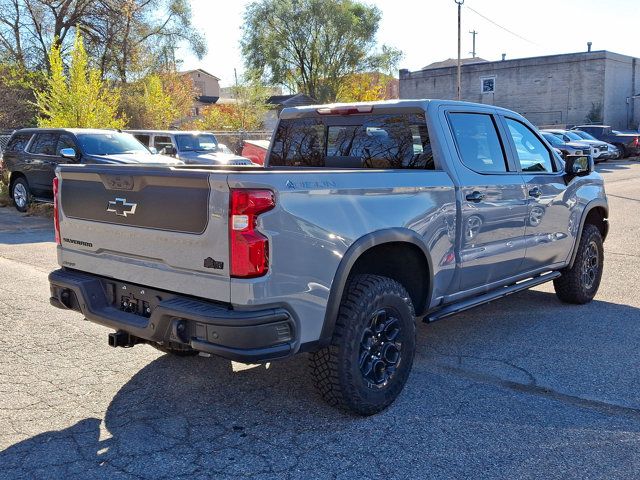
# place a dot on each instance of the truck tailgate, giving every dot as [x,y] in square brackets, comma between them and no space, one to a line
[156,226]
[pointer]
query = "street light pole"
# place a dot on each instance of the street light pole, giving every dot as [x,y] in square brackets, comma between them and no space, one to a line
[459,2]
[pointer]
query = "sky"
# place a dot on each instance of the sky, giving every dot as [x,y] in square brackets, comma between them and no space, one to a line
[426,30]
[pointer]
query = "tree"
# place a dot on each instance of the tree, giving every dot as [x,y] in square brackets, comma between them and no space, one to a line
[127,38]
[17,86]
[79,98]
[246,113]
[158,100]
[363,87]
[311,46]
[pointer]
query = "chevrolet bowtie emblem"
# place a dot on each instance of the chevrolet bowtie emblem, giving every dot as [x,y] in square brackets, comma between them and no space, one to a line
[120,207]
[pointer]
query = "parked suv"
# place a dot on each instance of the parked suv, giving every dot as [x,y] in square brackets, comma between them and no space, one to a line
[366,218]
[194,147]
[627,143]
[32,155]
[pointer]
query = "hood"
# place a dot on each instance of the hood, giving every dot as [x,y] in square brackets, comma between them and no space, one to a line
[595,143]
[213,158]
[579,145]
[146,158]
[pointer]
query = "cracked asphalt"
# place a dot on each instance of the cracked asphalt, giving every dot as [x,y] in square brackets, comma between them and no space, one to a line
[525,387]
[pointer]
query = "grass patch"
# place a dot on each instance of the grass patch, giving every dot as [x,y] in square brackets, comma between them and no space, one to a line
[40,210]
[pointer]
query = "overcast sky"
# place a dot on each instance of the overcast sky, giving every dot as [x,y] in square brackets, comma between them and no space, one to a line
[426,30]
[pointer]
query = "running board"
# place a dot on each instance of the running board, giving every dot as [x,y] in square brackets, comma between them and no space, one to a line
[488,297]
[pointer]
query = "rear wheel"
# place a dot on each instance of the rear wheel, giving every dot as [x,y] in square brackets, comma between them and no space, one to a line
[369,359]
[20,194]
[579,284]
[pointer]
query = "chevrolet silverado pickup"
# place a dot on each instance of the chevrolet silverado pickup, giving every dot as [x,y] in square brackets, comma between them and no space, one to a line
[365,218]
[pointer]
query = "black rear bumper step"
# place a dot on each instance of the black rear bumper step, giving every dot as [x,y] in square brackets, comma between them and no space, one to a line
[466,304]
[250,336]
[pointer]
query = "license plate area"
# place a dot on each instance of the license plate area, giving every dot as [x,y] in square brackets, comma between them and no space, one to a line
[133,299]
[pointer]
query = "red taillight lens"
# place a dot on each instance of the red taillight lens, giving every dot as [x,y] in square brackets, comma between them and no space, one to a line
[56,215]
[635,141]
[249,249]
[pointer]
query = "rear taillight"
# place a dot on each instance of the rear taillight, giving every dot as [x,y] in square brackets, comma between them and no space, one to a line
[56,215]
[635,142]
[249,249]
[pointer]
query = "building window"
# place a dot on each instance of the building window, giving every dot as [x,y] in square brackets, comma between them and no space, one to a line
[487,84]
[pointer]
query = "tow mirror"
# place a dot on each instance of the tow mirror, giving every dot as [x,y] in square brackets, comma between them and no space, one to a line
[170,150]
[578,165]
[68,153]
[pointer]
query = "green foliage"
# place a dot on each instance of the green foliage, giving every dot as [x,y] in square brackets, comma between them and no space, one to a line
[17,85]
[78,98]
[312,46]
[246,113]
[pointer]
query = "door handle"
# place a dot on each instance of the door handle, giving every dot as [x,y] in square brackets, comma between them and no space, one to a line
[475,197]
[535,192]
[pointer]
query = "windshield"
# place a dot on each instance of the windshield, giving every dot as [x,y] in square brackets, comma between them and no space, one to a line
[584,135]
[111,143]
[196,142]
[573,136]
[552,139]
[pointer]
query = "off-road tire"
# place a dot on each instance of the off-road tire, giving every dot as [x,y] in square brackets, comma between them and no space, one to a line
[176,349]
[336,369]
[575,286]
[21,182]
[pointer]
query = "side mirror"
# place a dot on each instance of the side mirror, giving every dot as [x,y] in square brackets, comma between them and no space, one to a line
[68,153]
[578,165]
[153,150]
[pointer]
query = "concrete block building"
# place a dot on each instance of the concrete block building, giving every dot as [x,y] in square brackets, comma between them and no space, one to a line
[562,89]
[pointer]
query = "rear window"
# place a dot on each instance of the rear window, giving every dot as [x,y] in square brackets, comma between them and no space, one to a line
[393,141]
[18,142]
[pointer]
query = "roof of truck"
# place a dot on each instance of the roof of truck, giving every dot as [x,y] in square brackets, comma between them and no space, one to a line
[391,104]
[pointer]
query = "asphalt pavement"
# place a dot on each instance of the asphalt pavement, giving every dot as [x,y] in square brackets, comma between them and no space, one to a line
[525,387]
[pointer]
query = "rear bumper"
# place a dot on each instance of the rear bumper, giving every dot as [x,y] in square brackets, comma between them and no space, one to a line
[167,318]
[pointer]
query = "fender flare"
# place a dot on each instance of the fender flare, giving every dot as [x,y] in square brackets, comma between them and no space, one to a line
[355,250]
[598,202]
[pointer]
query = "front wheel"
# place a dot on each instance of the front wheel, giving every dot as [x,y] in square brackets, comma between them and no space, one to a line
[369,359]
[579,284]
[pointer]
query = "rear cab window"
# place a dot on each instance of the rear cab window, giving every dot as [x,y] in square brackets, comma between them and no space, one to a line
[376,141]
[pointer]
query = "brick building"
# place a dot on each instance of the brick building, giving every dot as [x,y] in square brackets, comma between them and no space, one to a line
[551,90]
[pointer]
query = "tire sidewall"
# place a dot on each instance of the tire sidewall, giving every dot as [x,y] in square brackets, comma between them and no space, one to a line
[592,234]
[351,377]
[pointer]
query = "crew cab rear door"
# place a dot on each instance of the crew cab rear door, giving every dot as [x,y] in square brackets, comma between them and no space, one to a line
[493,203]
[150,225]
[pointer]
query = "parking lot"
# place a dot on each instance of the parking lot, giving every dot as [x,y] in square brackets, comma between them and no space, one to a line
[525,387]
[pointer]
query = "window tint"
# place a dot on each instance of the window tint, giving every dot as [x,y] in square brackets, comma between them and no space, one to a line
[299,143]
[144,139]
[161,142]
[65,141]
[44,144]
[372,141]
[532,154]
[18,142]
[478,142]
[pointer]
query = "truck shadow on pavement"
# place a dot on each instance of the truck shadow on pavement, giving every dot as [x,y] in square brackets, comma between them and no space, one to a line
[521,372]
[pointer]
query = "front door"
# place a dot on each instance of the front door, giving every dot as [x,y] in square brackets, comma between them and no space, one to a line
[549,239]
[494,202]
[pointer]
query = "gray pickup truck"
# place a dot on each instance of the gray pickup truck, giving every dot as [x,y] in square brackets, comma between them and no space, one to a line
[366,218]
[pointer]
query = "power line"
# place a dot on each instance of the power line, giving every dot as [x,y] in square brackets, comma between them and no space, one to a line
[504,28]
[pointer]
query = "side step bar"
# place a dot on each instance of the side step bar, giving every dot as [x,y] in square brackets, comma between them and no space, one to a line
[488,297]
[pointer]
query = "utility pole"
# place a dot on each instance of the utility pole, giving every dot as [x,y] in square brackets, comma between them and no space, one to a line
[459,2]
[473,34]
